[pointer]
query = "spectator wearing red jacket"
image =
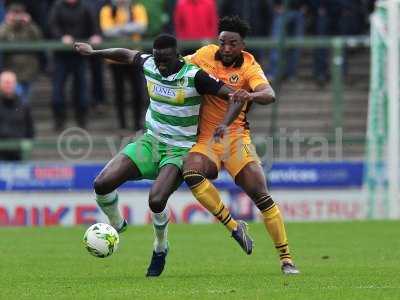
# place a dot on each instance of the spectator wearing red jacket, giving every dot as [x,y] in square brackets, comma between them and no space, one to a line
[196,19]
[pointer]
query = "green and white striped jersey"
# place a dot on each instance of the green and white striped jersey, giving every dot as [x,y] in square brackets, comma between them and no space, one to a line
[173,113]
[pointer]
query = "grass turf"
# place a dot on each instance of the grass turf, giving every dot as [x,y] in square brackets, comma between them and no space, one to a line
[357,260]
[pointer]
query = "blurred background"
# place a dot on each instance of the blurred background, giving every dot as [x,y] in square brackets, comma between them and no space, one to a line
[63,116]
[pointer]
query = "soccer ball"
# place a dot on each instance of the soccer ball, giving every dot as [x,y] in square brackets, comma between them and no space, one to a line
[101,240]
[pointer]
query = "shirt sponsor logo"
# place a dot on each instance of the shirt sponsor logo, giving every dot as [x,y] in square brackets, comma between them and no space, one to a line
[164,91]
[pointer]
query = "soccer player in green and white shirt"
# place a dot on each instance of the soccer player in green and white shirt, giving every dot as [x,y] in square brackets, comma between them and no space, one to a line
[175,88]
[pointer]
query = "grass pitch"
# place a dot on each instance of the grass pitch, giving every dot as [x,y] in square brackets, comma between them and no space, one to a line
[358,260]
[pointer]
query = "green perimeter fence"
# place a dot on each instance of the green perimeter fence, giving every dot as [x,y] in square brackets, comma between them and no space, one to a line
[337,45]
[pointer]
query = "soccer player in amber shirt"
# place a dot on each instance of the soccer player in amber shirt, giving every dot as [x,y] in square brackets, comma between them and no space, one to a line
[237,68]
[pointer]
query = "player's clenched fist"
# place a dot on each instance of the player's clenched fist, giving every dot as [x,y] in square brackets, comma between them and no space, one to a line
[83,48]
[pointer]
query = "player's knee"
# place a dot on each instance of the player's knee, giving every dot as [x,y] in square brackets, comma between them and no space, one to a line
[101,186]
[263,201]
[193,178]
[157,202]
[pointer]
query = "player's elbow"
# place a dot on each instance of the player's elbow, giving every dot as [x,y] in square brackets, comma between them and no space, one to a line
[267,99]
[271,99]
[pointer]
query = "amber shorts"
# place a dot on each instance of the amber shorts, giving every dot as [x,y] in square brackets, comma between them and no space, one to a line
[233,153]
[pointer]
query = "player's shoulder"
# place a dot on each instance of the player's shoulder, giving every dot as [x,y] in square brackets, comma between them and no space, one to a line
[146,59]
[191,70]
[248,60]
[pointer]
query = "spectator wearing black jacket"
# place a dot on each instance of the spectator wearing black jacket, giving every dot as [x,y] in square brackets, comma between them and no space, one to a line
[257,13]
[15,117]
[96,66]
[293,21]
[2,11]
[326,13]
[20,27]
[71,20]
[39,11]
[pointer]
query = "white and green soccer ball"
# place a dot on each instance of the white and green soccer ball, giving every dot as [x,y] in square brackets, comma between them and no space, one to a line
[101,240]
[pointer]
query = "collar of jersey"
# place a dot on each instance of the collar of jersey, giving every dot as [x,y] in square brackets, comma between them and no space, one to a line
[238,61]
[178,75]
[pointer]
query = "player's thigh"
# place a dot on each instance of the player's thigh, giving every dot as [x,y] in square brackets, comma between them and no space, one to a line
[252,180]
[117,171]
[201,163]
[145,154]
[238,155]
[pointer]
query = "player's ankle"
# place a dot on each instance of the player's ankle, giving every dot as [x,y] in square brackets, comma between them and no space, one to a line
[286,261]
[160,246]
[117,223]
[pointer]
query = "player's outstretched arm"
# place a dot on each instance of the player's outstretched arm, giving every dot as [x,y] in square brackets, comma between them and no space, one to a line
[118,55]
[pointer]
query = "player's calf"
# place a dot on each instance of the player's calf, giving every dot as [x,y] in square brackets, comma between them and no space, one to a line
[208,196]
[206,193]
[273,222]
[108,203]
[160,250]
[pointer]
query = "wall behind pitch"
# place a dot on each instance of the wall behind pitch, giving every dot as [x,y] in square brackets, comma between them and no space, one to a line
[75,208]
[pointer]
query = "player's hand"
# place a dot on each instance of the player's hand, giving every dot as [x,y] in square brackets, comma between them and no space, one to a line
[241,95]
[219,132]
[95,39]
[83,48]
[67,39]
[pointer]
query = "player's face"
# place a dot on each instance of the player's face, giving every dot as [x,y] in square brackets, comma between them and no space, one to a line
[230,46]
[166,60]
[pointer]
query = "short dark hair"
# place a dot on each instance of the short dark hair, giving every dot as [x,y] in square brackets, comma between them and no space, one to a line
[164,40]
[16,7]
[234,24]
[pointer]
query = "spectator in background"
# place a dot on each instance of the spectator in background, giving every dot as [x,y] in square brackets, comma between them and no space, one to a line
[126,19]
[2,14]
[71,20]
[157,15]
[96,66]
[291,20]
[326,15]
[2,11]
[195,20]
[18,26]
[257,13]
[169,8]
[39,11]
[15,116]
